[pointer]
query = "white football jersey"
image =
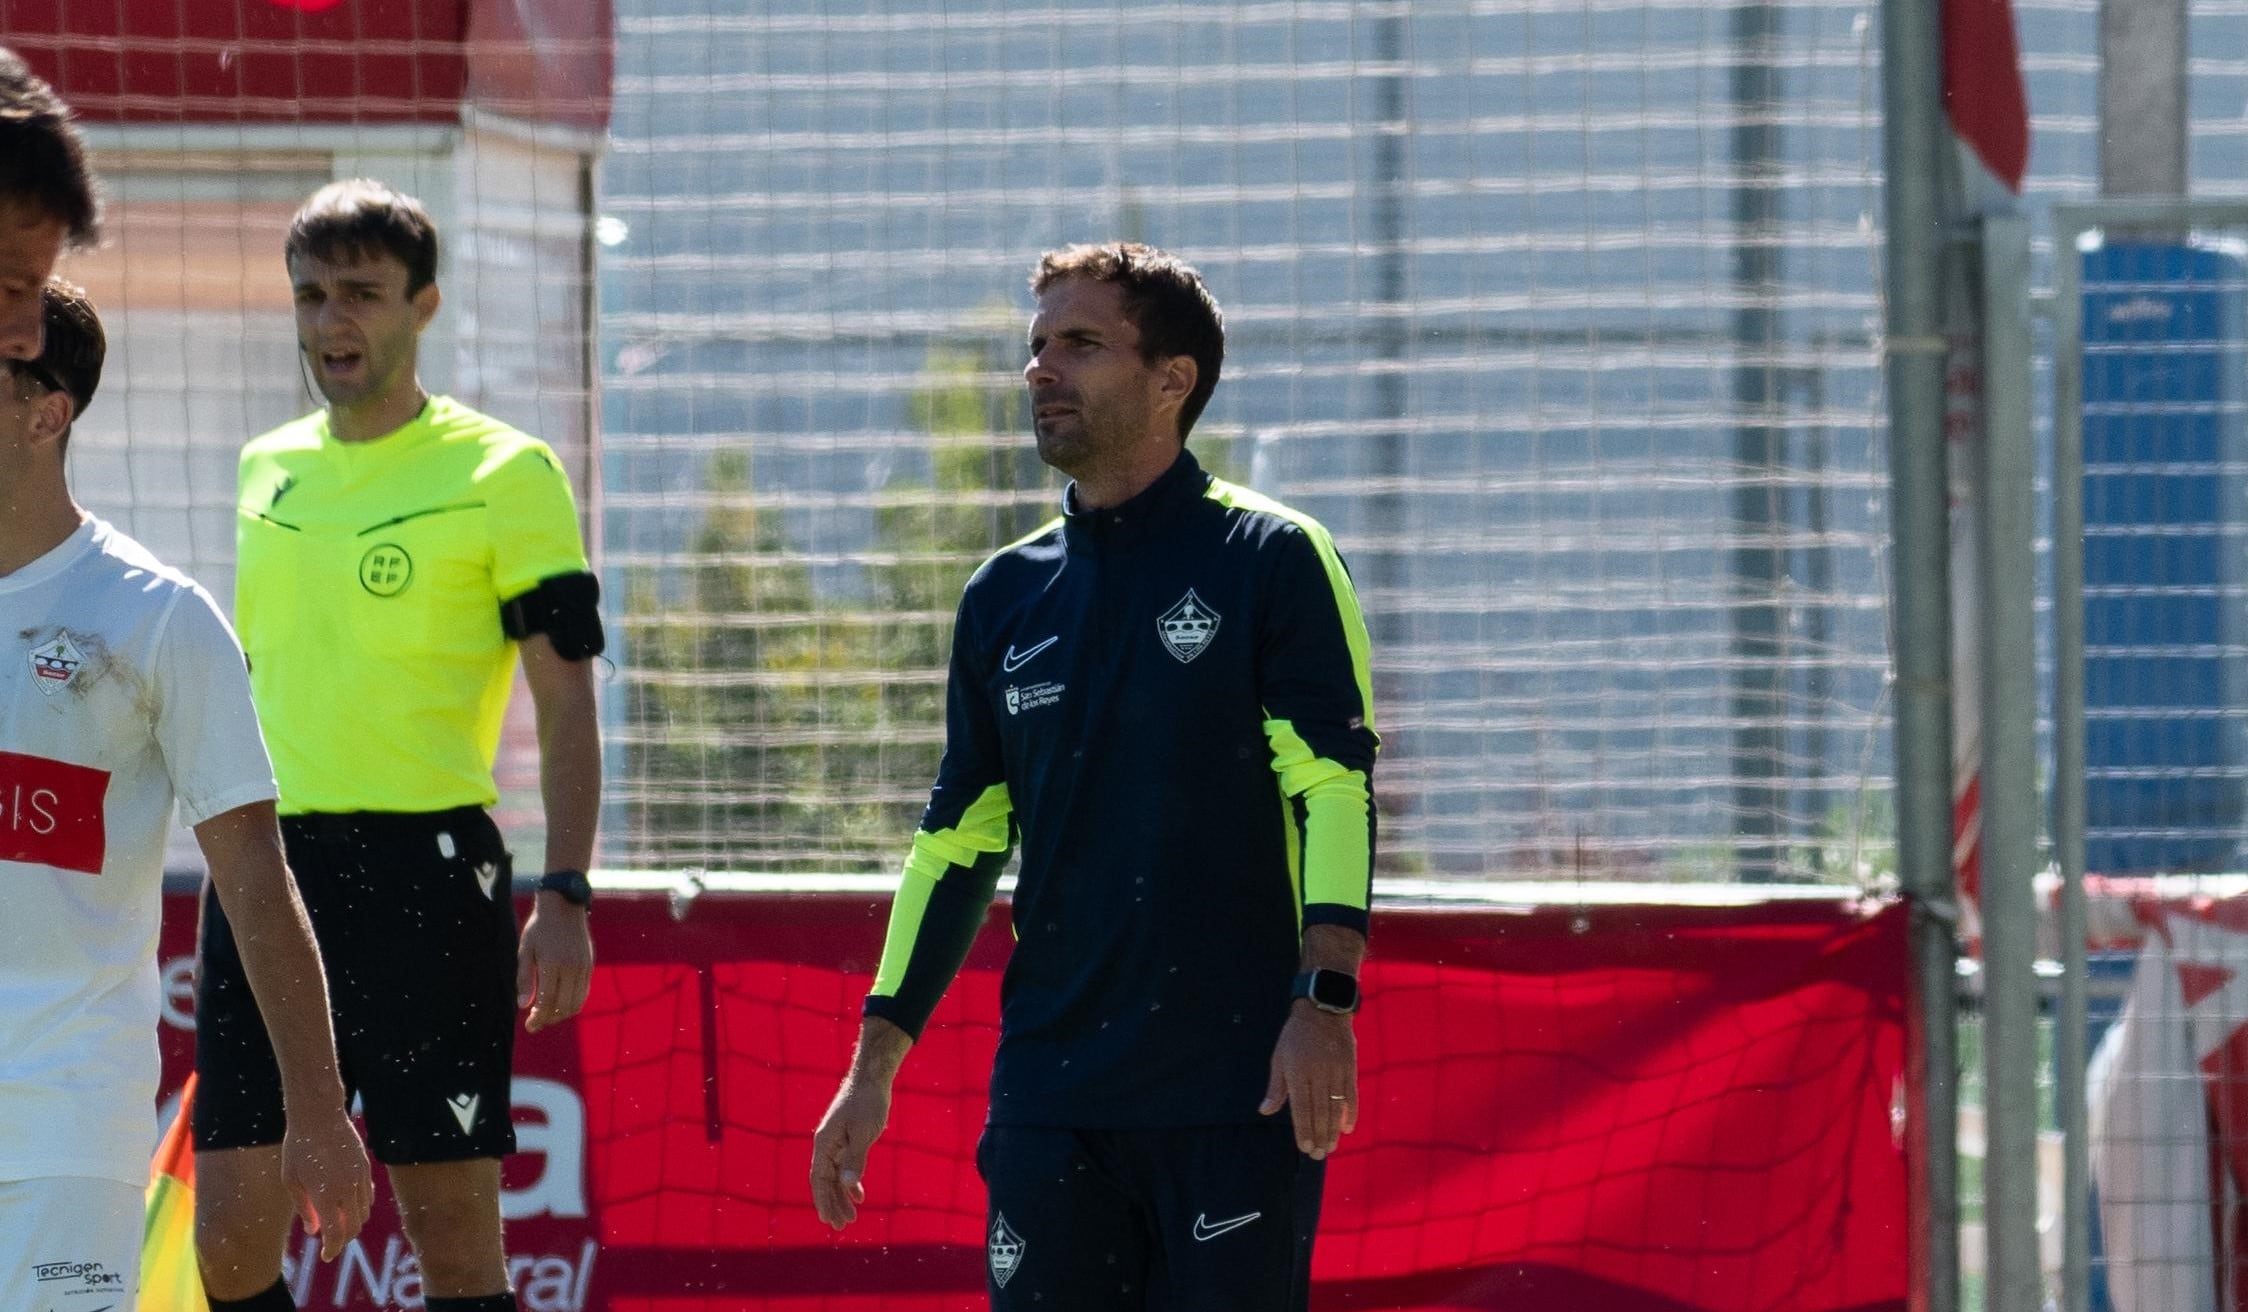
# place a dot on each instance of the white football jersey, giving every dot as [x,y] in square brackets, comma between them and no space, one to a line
[121,689]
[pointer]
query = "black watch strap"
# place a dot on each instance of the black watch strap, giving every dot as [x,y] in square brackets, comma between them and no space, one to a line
[1329,990]
[572,885]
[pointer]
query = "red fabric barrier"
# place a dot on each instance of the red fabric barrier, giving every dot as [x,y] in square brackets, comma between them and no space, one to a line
[1609,1109]
[301,62]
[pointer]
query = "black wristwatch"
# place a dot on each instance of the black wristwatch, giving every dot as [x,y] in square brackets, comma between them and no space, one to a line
[1329,990]
[574,887]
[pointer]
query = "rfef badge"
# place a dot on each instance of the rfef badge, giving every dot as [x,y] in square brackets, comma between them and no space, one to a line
[386,569]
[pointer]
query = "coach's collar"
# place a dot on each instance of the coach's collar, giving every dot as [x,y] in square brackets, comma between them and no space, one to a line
[1135,520]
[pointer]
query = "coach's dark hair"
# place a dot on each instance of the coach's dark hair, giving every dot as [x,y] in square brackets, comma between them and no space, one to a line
[1163,297]
[42,157]
[353,219]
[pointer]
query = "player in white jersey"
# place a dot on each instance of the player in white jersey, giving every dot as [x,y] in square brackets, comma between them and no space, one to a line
[122,692]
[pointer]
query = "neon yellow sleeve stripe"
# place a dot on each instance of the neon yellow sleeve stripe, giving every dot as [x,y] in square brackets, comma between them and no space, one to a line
[1354,622]
[906,911]
[983,830]
[1337,851]
[1026,539]
[1338,578]
[1300,770]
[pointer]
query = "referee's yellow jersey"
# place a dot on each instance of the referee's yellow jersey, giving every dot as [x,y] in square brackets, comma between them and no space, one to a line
[368,600]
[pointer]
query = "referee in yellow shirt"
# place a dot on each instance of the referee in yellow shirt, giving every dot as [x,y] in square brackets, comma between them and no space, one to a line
[397,551]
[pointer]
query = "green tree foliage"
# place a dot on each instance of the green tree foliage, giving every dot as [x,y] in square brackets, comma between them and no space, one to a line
[770,727]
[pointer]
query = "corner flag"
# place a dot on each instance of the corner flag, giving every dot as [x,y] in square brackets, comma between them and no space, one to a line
[170,1281]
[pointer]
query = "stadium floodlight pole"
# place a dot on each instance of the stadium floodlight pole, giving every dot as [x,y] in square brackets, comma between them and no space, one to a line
[1920,552]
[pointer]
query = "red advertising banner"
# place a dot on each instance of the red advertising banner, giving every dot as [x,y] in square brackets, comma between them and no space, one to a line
[1610,1109]
[321,61]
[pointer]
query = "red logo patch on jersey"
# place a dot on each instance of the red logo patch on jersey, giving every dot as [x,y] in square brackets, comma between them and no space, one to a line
[51,813]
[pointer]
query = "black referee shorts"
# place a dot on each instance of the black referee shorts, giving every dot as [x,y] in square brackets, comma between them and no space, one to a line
[1209,1219]
[416,923]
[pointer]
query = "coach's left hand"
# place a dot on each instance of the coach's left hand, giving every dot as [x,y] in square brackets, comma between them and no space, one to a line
[554,968]
[1315,1075]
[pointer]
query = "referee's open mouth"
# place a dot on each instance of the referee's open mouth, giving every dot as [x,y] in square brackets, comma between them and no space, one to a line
[334,363]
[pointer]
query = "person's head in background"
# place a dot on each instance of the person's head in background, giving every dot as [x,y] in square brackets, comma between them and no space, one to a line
[47,199]
[44,395]
[40,399]
[362,263]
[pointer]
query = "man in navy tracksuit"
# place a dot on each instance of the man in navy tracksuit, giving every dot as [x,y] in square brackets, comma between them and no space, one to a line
[1165,697]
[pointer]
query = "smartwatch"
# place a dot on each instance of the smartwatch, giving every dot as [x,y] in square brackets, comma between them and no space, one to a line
[574,887]
[1329,990]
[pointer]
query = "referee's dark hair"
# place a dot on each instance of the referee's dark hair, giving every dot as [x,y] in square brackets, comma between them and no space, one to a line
[357,217]
[1163,297]
[43,169]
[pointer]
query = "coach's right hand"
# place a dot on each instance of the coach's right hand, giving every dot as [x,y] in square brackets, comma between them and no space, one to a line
[852,1124]
[855,1120]
[325,1167]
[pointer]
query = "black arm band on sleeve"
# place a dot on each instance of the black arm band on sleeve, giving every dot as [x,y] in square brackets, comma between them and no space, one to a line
[566,608]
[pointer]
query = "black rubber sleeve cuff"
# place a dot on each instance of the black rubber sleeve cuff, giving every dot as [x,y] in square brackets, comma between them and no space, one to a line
[566,608]
[1336,913]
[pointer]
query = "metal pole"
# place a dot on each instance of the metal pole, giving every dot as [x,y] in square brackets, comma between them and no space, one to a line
[2008,567]
[1755,603]
[2142,136]
[1818,619]
[2068,762]
[1386,346]
[1913,348]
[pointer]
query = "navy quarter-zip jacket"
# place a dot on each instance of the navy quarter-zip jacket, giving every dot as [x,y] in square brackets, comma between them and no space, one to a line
[1170,704]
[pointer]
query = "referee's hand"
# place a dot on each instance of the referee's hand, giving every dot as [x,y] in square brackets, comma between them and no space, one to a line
[325,1168]
[554,966]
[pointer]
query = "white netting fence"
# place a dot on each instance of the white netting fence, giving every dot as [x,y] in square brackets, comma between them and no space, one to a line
[1560,315]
